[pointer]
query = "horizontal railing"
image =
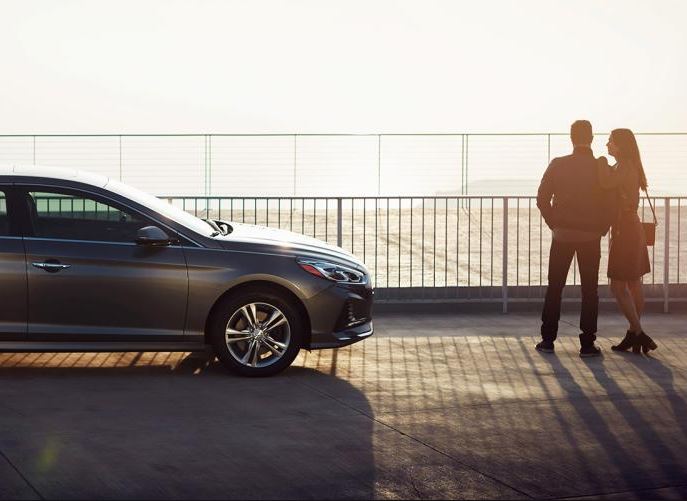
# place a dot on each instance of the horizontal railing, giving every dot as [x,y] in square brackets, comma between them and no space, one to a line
[333,164]
[467,248]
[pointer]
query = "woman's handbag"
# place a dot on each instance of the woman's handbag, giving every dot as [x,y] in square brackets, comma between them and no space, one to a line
[650,228]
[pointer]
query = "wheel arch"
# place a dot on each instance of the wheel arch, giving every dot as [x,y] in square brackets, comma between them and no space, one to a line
[263,285]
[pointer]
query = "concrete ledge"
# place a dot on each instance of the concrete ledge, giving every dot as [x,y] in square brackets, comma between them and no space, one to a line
[494,307]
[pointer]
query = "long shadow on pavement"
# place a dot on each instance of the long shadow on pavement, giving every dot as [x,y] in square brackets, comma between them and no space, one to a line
[635,455]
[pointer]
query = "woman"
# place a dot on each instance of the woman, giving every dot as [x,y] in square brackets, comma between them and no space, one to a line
[628,259]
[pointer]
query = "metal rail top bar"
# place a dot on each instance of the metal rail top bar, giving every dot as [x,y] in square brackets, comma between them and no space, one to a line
[381,197]
[336,134]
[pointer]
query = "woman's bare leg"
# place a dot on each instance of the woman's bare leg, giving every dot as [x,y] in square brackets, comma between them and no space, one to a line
[626,303]
[637,293]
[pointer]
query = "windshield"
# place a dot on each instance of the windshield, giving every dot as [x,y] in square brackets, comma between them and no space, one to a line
[164,208]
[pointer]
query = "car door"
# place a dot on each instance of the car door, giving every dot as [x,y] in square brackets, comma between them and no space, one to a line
[12,271]
[87,278]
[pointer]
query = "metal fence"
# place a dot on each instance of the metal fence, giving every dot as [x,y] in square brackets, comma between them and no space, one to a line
[470,239]
[333,164]
[456,249]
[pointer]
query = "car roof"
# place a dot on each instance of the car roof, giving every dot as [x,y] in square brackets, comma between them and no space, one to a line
[58,173]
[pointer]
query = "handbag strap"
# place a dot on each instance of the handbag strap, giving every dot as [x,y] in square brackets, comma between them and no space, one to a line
[646,191]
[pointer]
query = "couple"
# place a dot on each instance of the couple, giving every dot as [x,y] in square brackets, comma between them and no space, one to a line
[589,196]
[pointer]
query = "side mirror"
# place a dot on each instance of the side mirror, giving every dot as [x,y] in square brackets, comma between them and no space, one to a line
[152,235]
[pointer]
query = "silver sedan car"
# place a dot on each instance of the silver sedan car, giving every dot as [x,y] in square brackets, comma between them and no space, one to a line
[90,264]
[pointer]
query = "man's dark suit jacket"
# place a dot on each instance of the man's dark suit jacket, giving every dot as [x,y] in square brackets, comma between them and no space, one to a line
[570,195]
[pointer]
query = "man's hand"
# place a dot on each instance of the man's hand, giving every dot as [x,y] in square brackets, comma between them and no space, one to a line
[602,161]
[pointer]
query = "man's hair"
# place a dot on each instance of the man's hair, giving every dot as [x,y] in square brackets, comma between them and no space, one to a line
[581,132]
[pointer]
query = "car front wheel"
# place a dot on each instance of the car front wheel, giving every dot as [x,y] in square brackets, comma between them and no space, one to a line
[256,333]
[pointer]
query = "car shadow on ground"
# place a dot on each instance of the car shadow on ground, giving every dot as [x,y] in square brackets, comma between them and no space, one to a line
[175,426]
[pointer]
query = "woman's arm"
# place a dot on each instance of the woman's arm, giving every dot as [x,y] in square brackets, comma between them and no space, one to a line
[609,177]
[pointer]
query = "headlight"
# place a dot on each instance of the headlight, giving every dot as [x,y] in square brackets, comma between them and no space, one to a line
[332,271]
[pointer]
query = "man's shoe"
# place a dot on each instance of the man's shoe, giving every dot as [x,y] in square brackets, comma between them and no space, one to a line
[590,351]
[545,346]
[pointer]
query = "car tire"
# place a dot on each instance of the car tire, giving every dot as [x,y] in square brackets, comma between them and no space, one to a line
[232,315]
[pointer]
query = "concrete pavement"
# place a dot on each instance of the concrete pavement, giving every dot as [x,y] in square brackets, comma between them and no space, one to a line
[432,406]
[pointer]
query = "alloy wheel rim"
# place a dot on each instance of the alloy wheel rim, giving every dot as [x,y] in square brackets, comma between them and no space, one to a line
[257,334]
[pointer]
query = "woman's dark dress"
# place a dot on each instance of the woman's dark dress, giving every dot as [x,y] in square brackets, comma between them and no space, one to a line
[628,258]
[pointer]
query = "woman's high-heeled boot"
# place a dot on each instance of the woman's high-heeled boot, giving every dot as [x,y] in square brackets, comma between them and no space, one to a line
[645,343]
[627,342]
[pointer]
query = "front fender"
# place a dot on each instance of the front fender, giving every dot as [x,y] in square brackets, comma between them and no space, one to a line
[213,272]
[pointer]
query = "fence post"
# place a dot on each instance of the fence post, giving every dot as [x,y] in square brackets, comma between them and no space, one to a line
[504,277]
[467,161]
[462,170]
[205,165]
[666,258]
[379,164]
[339,230]
[209,174]
[120,157]
[295,162]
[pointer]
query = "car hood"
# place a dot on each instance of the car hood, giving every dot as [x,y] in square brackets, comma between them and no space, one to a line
[288,241]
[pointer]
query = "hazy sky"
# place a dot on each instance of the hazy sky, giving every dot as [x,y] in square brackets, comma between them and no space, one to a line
[348,66]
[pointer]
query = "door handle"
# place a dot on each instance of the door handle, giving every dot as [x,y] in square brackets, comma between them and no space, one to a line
[51,267]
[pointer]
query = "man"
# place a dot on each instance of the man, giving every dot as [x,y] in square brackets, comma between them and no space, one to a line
[577,220]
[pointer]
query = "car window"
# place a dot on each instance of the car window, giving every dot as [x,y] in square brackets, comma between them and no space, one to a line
[4,220]
[161,207]
[80,217]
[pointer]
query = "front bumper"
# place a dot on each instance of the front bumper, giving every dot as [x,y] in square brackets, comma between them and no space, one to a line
[343,338]
[340,315]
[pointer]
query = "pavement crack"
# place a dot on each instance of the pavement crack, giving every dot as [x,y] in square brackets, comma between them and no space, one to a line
[417,440]
[414,485]
[568,322]
[613,493]
[21,475]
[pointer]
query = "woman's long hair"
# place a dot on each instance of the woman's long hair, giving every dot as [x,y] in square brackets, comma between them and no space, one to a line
[625,140]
